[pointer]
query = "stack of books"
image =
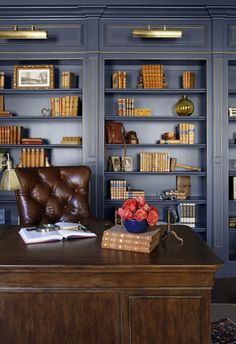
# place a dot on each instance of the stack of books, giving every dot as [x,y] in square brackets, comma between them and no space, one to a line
[153,76]
[71,140]
[32,141]
[118,238]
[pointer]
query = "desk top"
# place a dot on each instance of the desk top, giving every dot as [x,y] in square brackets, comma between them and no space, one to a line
[87,253]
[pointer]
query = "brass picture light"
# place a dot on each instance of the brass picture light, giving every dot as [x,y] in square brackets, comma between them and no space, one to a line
[23,34]
[154,33]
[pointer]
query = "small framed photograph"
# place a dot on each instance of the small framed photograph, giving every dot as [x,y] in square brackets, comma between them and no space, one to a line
[115,160]
[127,163]
[33,77]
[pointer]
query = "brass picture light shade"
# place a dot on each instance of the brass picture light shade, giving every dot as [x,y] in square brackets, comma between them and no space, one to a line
[10,181]
[23,34]
[154,33]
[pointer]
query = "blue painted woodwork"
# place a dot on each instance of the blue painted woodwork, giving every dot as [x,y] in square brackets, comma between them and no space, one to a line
[95,38]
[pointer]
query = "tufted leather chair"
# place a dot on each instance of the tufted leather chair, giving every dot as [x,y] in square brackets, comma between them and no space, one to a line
[52,194]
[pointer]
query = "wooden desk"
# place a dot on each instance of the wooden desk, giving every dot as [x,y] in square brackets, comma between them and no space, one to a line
[74,292]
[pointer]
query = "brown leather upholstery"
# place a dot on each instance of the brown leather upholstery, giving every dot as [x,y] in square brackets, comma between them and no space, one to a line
[52,194]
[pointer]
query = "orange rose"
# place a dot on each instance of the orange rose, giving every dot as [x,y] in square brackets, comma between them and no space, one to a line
[130,204]
[140,200]
[152,217]
[146,207]
[127,215]
[140,215]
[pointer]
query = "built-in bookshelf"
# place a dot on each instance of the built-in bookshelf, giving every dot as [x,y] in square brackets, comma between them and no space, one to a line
[48,113]
[161,102]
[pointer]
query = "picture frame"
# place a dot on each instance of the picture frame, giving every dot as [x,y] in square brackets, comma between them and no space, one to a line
[116,165]
[29,77]
[127,163]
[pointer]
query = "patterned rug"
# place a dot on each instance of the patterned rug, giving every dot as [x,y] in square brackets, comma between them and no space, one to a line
[223,332]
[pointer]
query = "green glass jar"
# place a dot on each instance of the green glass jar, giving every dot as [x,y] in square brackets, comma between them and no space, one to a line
[184,107]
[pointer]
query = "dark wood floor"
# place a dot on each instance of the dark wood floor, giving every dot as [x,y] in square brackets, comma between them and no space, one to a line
[224,291]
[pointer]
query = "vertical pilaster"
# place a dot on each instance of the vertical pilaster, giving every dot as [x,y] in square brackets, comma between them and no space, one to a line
[220,142]
[90,109]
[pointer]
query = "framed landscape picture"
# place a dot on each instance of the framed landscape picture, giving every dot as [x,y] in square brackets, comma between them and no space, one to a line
[34,77]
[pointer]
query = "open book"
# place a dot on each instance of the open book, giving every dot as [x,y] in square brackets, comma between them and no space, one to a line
[67,230]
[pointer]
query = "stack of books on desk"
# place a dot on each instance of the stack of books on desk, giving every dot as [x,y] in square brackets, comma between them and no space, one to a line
[118,238]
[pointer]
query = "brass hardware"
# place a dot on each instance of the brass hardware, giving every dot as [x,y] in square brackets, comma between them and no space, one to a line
[157,33]
[24,34]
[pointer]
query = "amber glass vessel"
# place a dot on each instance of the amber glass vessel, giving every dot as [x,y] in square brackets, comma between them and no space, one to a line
[184,107]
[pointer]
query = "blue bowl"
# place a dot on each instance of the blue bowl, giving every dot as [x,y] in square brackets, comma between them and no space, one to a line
[134,226]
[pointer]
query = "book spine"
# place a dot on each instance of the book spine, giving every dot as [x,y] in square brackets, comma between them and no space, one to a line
[127,236]
[124,247]
[125,241]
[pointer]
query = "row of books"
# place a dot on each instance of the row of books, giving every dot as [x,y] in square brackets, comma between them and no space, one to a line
[187,213]
[118,238]
[68,80]
[10,134]
[33,157]
[154,162]
[153,76]
[119,79]
[119,190]
[188,79]
[65,106]
[186,135]
[125,106]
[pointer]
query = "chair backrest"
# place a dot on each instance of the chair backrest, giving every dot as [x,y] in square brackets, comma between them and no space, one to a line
[52,194]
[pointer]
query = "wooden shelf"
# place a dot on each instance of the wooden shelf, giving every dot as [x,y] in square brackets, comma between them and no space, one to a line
[156,118]
[41,118]
[47,146]
[155,90]
[174,173]
[153,199]
[156,145]
[13,91]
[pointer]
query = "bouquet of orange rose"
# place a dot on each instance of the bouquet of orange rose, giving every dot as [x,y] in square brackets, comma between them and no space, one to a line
[137,209]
